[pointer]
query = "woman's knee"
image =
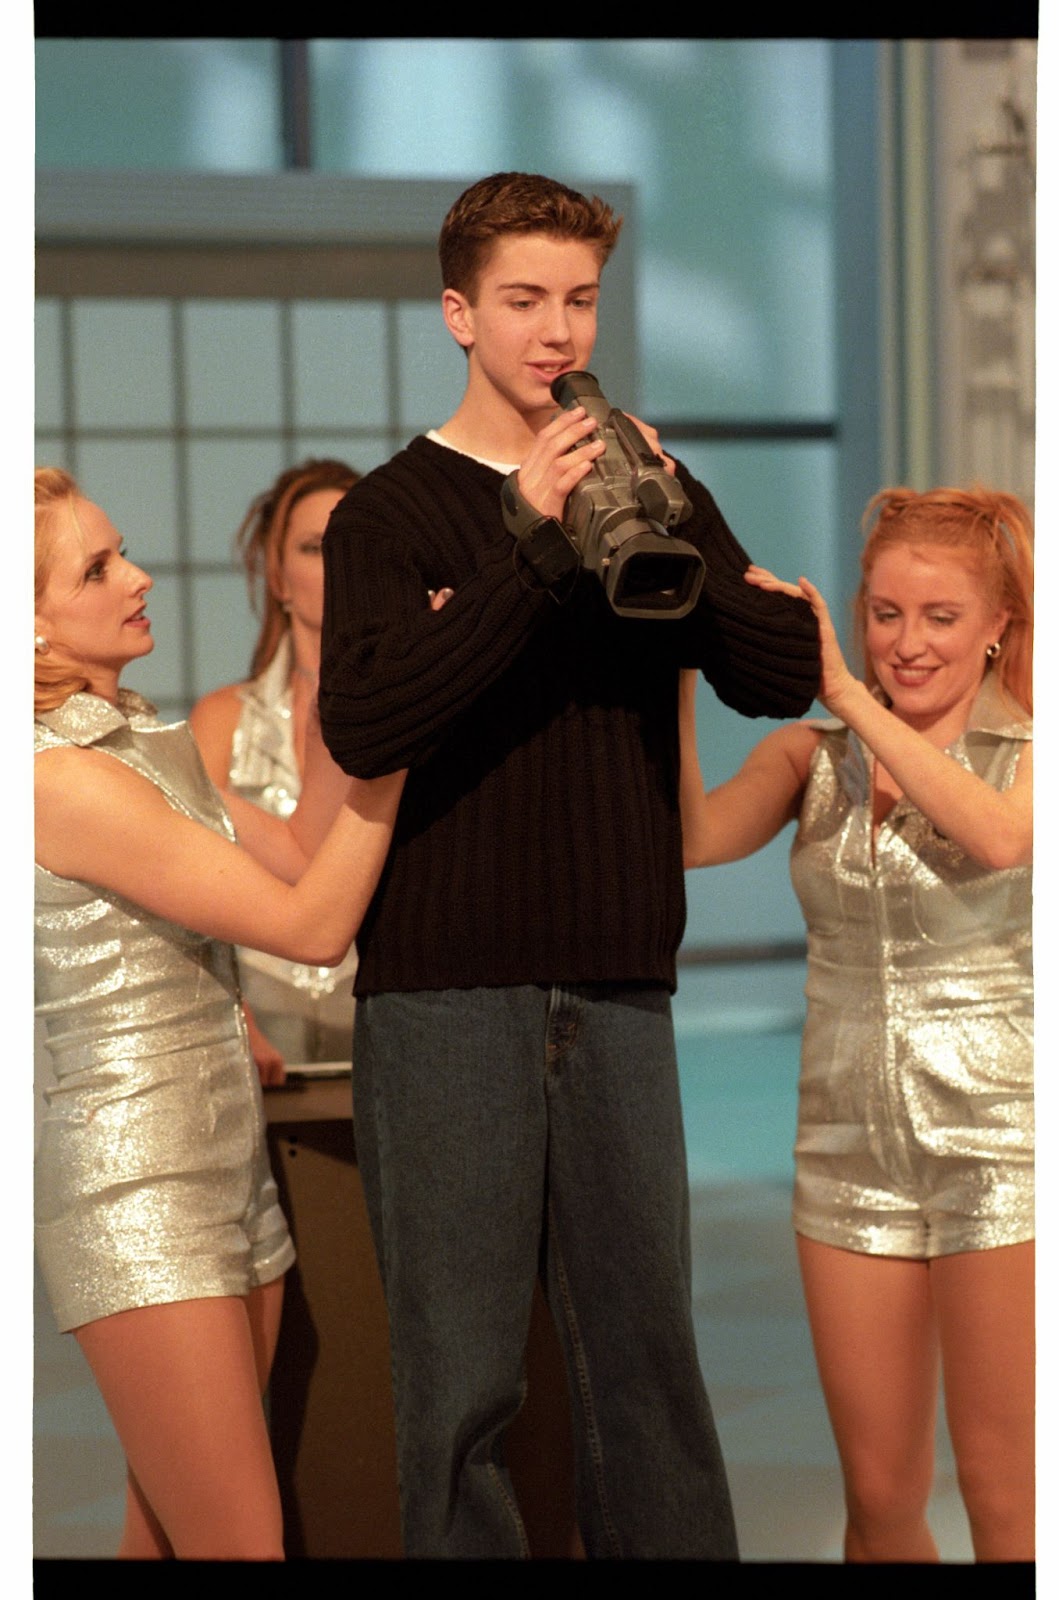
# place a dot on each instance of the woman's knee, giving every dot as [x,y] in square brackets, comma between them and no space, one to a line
[881,1495]
[1000,1500]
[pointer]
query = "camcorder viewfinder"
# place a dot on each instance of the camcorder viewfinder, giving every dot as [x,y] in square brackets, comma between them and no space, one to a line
[621,512]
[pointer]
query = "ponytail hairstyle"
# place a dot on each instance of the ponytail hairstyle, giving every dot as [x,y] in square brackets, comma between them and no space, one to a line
[261,542]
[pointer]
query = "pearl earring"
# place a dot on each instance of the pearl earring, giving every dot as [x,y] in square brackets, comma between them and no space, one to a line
[993,650]
[41,645]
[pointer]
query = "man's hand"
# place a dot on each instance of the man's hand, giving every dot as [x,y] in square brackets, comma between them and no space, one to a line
[651,435]
[555,463]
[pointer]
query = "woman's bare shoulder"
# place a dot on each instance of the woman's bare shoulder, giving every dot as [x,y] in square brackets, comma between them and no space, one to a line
[80,780]
[82,797]
[213,721]
[223,703]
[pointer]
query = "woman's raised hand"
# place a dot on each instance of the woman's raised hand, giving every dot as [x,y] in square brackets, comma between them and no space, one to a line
[836,680]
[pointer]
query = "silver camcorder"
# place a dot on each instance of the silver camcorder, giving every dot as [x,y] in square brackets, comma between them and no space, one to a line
[620,514]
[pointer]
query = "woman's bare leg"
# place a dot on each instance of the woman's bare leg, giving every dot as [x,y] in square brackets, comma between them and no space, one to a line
[876,1350]
[143,1537]
[985,1312]
[264,1307]
[181,1383]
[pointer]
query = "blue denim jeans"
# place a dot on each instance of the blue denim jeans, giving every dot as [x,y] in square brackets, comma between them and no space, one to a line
[503,1131]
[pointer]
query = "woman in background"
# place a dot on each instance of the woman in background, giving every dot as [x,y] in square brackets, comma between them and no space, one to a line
[158,1229]
[252,738]
[914,1158]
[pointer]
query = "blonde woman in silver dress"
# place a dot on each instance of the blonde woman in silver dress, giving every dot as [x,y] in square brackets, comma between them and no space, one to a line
[158,1230]
[914,1158]
[252,737]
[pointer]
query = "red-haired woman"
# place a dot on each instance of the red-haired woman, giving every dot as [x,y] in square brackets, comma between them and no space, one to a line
[252,738]
[914,1158]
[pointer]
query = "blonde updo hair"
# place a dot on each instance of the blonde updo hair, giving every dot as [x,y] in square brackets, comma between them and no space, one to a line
[54,679]
[996,531]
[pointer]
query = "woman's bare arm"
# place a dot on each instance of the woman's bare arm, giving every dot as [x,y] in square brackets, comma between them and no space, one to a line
[743,814]
[102,823]
[285,847]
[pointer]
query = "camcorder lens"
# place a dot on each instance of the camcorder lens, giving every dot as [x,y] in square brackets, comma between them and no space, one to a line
[655,581]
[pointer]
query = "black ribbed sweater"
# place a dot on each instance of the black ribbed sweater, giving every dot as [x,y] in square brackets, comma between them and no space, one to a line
[538,839]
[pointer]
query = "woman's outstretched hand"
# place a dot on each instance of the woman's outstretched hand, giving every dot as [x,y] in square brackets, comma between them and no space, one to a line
[836,680]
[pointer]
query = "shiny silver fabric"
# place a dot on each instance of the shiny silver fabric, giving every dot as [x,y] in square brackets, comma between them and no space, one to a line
[152,1180]
[306,1011]
[915,1125]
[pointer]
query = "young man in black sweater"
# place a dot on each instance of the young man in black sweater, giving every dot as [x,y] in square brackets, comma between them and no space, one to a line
[515,1077]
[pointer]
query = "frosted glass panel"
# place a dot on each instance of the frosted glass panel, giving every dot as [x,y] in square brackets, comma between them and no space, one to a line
[777,498]
[224,475]
[203,104]
[411,107]
[225,630]
[341,372]
[729,142]
[135,482]
[47,360]
[123,363]
[50,451]
[361,452]
[232,355]
[433,368]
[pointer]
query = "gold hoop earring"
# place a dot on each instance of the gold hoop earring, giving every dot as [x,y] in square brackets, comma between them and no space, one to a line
[993,650]
[41,645]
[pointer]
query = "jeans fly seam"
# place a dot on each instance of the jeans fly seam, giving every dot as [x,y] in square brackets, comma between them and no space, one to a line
[584,1388]
[560,1034]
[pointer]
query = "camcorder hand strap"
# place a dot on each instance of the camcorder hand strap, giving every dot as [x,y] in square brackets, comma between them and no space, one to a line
[542,544]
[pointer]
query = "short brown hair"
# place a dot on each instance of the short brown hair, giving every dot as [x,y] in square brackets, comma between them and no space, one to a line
[996,531]
[517,202]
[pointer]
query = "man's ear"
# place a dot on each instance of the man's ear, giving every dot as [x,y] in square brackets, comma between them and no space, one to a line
[459,316]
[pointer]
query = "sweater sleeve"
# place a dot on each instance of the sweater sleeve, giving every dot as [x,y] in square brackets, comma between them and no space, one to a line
[759,651]
[394,674]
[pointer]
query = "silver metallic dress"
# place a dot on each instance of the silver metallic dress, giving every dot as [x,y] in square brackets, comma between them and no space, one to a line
[915,1124]
[307,1012]
[152,1181]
